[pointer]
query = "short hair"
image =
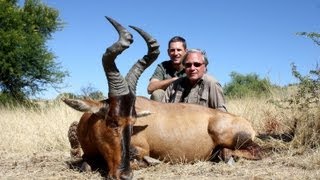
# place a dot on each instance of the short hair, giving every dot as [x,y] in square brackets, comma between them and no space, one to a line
[203,53]
[178,39]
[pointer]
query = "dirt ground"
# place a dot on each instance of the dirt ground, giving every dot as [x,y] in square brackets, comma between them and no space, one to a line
[58,165]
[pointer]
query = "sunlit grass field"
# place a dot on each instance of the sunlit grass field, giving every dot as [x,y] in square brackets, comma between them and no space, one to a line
[34,145]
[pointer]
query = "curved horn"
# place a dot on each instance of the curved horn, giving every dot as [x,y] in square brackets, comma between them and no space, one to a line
[142,64]
[117,84]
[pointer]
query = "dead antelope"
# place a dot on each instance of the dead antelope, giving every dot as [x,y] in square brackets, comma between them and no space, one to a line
[106,133]
[180,132]
[172,132]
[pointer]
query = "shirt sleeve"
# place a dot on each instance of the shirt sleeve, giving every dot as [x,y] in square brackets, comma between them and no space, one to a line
[158,73]
[216,97]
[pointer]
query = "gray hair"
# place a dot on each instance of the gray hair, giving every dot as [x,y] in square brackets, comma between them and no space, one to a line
[203,53]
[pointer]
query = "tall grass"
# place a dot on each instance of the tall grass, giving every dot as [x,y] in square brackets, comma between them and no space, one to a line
[25,130]
[264,115]
[34,145]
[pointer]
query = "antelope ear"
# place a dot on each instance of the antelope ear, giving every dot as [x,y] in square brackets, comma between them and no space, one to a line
[85,105]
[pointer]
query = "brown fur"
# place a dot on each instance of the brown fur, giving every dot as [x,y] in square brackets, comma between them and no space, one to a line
[187,132]
[100,136]
[184,132]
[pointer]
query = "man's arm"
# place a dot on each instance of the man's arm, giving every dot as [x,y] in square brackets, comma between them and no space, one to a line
[155,84]
[216,97]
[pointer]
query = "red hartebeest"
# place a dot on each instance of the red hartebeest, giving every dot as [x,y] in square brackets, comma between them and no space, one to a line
[107,134]
[178,132]
[173,132]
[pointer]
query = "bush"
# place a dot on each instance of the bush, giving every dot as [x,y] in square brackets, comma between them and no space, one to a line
[249,85]
[90,92]
[7,100]
[305,106]
[306,103]
[66,95]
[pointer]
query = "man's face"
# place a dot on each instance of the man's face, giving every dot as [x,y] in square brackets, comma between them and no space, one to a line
[176,52]
[194,66]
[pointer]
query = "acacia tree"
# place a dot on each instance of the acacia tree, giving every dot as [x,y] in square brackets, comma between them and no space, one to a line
[27,67]
[314,36]
[89,92]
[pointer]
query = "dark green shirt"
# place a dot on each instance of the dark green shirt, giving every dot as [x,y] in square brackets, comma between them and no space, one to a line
[165,70]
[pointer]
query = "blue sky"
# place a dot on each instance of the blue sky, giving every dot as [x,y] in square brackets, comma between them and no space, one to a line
[247,36]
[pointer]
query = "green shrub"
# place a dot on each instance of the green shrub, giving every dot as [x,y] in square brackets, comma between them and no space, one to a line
[7,100]
[249,85]
[304,105]
[66,95]
[307,103]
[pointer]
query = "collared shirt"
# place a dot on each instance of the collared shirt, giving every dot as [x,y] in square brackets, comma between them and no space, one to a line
[165,70]
[207,92]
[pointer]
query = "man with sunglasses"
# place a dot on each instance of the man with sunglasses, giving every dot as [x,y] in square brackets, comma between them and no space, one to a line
[197,87]
[168,71]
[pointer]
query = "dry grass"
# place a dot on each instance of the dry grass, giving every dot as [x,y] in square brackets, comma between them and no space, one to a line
[34,145]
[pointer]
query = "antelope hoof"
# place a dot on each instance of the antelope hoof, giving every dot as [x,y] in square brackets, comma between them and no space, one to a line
[151,161]
[127,176]
[85,167]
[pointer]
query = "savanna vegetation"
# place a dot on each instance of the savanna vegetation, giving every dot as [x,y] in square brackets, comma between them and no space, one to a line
[34,142]
[27,66]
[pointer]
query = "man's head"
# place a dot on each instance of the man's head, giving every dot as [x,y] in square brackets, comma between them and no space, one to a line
[195,63]
[177,48]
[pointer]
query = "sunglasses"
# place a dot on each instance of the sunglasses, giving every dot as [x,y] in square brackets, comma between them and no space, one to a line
[196,64]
